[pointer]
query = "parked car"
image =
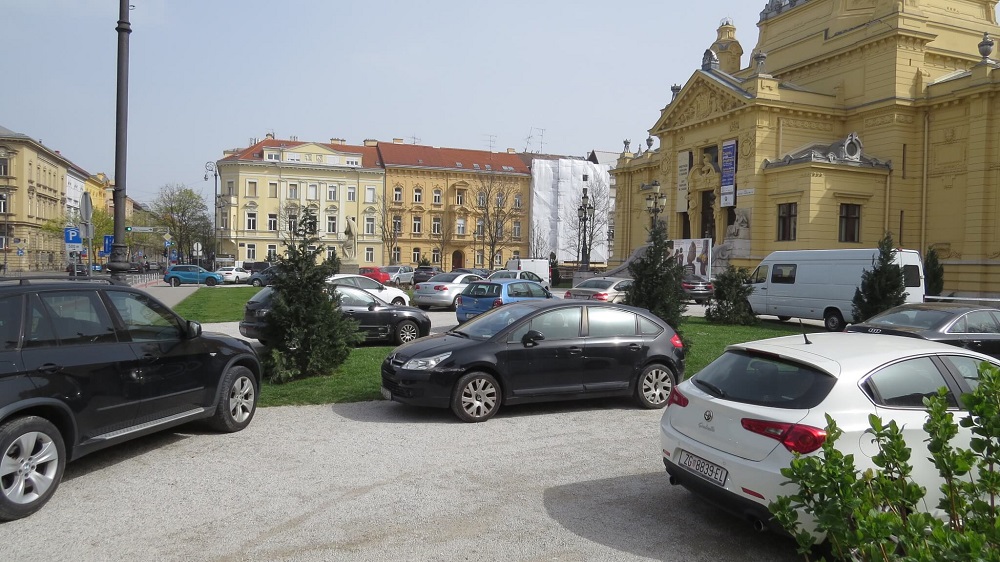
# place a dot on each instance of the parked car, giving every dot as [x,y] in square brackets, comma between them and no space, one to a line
[80,269]
[256,266]
[388,294]
[534,351]
[442,290]
[95,363]
[540,267]
[263,278]
[178,274]
[375,273]
[609,289]
[521,274]
[96,267]
[729,430]
[697,288]
[378,319]
[963,325]
[135,267]
[480,296]
[399,275]
[232,274]
[484,273]
[425,272]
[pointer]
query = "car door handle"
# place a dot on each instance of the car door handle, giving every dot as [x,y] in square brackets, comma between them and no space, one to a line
[575,350]
[49,368]
[148,358]
[634,347]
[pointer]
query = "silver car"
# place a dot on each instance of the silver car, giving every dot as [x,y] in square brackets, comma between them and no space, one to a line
[607,289]
[399,274]
[442,289]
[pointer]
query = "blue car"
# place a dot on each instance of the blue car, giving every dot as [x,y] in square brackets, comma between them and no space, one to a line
[482,296]
[178,274]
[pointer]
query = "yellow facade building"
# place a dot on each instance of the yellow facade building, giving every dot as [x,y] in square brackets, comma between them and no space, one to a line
[852,118]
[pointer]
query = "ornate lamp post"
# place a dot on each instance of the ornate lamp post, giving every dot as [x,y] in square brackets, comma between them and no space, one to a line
[119,250]
[5,198]
[656,202]
[211,169]
[585,212]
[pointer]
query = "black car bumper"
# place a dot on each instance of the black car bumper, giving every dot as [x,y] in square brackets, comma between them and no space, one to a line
[251,330]
[417,388]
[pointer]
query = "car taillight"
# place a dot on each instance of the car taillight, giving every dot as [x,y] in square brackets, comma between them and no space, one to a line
[600,297]
[458,300]
[677,398]
[676,341]
[440,288]
[568,295]
[709,286]
[687,285]
[796,438]
[497,302]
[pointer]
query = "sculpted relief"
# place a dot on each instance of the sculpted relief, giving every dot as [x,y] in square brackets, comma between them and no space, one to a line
[704,102]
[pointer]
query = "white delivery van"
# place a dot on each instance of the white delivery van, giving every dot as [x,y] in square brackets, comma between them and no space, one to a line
[539,267]
[820,284]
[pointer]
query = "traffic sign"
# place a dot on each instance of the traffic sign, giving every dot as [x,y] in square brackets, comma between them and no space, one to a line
[74,243]
[86,207]
[109,241]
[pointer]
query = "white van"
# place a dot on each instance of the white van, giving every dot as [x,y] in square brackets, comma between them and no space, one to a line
[539,267]
[820,284]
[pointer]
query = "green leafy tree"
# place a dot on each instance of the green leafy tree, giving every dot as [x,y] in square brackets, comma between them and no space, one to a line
[657,280]
[933,273]
[308,334]
[184,212]
[882,287]
[730,304]
[424,262]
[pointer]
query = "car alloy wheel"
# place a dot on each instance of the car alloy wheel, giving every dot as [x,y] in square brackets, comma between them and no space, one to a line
[398,301]
[256,283]
[210,281]
[237,400]
[654,387]
[175,282]
[31,466]
[476,397]
[406,331]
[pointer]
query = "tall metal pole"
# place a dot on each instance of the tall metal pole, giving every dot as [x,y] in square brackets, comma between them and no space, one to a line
[210,167]
[6,226]
[119,257]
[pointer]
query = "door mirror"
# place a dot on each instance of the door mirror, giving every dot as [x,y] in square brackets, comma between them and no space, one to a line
[548,294]
[371,305]
[193,329]
[531,338]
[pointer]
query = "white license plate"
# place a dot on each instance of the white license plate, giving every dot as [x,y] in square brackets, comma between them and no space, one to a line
[712,471]
[386,394]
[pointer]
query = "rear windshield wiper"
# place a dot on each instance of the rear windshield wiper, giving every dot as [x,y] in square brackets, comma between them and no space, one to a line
[711,388]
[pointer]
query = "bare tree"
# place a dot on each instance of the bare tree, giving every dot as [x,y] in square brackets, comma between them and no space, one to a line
[495,207]
[390,224]
[599,195]
[443,239]
[182,211]
[538,242]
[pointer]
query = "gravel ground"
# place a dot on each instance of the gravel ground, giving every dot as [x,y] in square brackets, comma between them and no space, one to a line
[383,481]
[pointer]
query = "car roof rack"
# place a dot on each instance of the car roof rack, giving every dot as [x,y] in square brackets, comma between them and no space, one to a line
[45,279]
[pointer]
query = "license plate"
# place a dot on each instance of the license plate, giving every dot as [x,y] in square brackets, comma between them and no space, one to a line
[712,471]
[386,394]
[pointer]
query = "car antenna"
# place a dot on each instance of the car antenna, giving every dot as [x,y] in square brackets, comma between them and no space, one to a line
[804,336]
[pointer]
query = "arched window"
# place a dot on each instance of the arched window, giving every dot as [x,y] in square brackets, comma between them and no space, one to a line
[418,195]
[397,195]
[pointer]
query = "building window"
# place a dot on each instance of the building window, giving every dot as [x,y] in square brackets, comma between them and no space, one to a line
[4,167]
[480,229]
[293,191]
[331,224]
[370,226]
[499,231]
[787,220]
[417,224]
[397,224]
[501,200]
[460,197]
[369,254]
[229,187]
[352,194]
[437,196]
[251,188]
[273,156]
[272,189]
[498,259]
[479,257]
[515,255]
[272,252]
[370,194]
[517,201]
[397,195]
[251,251]
[460,226]
[3,202]
[293,223]
[331,253]
[435,256]
[436,225]
[516,229]
[251,221]
[418,195]
[272,222]
[312,191]
[481,199]
[416,255]
[396,255]
[225,223]
[331,192]
[850,223]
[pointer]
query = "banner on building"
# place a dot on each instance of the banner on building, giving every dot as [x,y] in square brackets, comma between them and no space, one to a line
[695,255]
[728,173]
[683,167]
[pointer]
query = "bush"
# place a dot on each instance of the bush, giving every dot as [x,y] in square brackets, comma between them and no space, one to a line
[657,280]
[878,514]
[933,273]
[729,305]
[881,288]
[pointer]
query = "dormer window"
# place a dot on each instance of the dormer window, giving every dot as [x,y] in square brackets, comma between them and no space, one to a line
[272,156]
[293,157]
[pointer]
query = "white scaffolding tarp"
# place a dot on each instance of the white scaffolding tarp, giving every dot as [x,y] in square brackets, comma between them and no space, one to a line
[556,192]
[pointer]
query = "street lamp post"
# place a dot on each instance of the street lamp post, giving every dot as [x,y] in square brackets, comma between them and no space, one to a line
[656,202]
[119,250]
[585,212]
[6,225]
[210,168]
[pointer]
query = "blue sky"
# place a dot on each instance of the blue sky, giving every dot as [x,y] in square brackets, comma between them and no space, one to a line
[208,75]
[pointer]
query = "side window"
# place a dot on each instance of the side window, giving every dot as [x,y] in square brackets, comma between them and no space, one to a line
[906,384]
[759,275]
[783,273]
[647,327]
[911,276]
[623,286]
[560,324]
[610,322]
[531,277]
[518,290]
[79,317]
[349,281]
[366,283]
[38,331]
[10,322]
[144,318]
[966,367]
[981,322]
[536,290]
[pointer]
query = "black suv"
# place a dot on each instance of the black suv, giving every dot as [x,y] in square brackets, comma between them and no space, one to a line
[85,364]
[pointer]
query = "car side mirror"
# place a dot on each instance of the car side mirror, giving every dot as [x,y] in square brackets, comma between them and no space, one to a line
[371,305]
[548,294]
[193,329]
[531,338]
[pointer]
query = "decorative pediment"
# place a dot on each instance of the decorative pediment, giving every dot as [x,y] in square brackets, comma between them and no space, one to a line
[848,151]
[331,209]
[701,99]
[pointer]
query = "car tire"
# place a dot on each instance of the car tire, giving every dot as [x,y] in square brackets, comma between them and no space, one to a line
[654,386]
[406,331]
[476,397]
[175,282]
[454,304]
[257,282]
[398,301]
[784,318]
[833,321]
[26,490]
[210,281]
[423,307]
[237,400]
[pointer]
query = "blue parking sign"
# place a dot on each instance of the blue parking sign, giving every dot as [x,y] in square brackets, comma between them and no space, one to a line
[72,235]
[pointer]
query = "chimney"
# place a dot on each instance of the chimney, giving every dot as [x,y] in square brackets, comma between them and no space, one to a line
[397,141]
[269,136]
[511,151]
[336,140]
[371,142]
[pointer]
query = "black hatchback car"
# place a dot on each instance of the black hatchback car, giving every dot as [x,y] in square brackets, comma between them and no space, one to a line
[538,350]
[86,364]
[378,319]
[963,325]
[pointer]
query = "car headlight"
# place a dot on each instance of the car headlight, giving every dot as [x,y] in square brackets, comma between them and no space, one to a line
[262,312]
[424,363]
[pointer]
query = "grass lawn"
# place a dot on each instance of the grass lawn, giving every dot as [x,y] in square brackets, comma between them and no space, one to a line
[708,341]
[216,305]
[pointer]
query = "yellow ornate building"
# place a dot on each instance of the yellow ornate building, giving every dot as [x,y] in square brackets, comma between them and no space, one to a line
[853,118]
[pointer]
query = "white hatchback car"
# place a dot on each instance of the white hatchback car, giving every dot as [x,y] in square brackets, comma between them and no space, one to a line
[729,430]
[233,274]
[388,294]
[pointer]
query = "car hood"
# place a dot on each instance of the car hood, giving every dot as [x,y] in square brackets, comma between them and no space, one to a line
[432,345]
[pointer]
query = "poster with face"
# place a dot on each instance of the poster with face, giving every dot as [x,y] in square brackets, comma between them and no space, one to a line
[694,254]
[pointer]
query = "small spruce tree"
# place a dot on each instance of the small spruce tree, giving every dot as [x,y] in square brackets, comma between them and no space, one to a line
[933,273]
[729,304]
[424,262]
[308,333]
[657,280]
[881,288]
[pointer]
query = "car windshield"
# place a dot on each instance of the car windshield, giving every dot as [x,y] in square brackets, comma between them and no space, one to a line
[445,277]
[764,381]
[262,295]
[504,275]
[482,290]
[910,318]
[485,326]
[595,284]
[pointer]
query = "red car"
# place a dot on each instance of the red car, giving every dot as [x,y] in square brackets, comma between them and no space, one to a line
[375,273]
